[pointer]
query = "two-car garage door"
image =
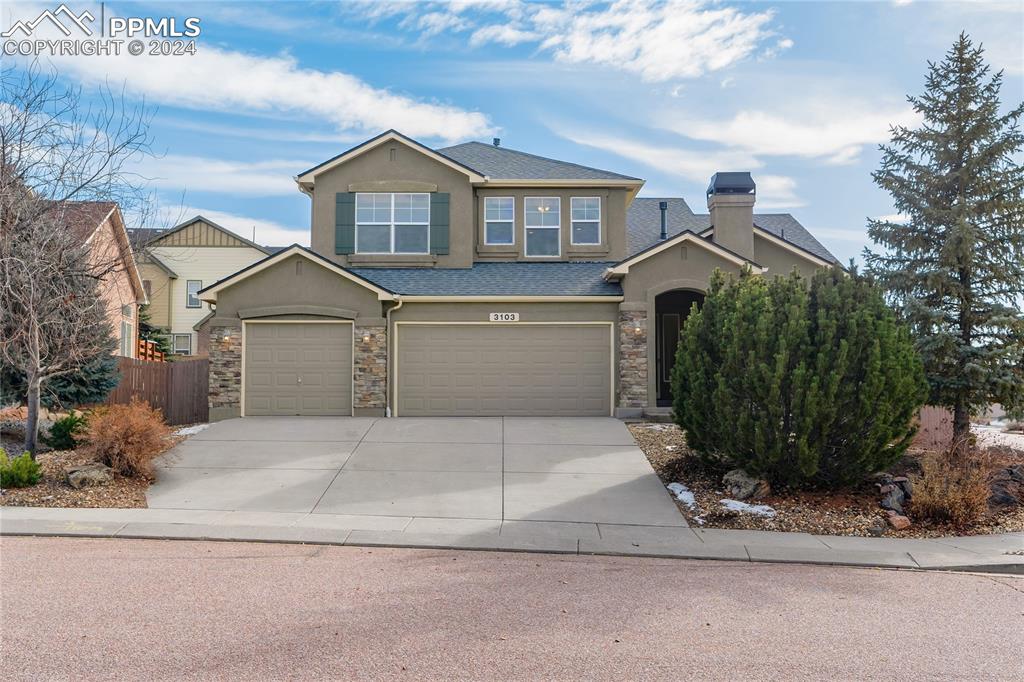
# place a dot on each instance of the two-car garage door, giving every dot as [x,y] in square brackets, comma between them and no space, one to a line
[448,369]
[503,370]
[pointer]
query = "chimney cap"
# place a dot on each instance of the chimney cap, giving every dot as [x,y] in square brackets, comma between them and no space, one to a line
[663,205]
[732,183]
[496,141]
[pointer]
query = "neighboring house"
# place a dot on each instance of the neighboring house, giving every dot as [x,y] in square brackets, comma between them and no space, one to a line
[100,225]
[177,263]
[478,280]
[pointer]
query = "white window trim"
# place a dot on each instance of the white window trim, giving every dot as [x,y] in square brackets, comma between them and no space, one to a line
[174,344]
[127,337]
[490,243]
[391,225]
[558,228]
[600,234]
[187,297]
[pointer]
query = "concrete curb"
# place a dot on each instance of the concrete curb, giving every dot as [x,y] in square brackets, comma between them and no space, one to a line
[984,554]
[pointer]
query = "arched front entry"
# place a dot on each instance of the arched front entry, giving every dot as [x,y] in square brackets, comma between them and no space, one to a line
[670,310]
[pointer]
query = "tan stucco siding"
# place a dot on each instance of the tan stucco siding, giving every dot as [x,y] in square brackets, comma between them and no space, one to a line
[159,294]
[297,281]
[528,312]
[687,266]
[396,162]
[613,221]
[780,260]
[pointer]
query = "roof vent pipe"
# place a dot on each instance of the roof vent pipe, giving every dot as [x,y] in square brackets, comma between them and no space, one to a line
[663,205]
[496,142]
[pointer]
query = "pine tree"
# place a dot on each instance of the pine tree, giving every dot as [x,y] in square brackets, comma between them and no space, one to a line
[150,332]
[955,267]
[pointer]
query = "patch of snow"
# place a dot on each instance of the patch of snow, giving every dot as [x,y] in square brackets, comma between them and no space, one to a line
[670,448]
[683,494]
[191,430]
[744,508]
[992,435]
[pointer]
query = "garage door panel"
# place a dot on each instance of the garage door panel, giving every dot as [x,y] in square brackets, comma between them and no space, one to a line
[486,370]
[277,355]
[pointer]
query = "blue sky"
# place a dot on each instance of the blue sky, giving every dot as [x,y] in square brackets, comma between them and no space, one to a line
[799,93]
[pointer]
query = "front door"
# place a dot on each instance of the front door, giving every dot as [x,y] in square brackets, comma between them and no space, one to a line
[668,326]
[670,311]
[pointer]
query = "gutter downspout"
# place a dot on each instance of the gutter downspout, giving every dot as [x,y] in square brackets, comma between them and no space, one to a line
[387,378]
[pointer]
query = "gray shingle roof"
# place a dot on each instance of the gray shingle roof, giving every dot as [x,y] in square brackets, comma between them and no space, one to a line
[643,225]
[509,164]
[497,279]
[785,226]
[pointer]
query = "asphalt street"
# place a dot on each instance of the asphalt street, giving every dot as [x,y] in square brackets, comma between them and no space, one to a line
[75,608]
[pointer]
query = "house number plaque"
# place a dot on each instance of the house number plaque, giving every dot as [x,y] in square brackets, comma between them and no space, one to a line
[504,317]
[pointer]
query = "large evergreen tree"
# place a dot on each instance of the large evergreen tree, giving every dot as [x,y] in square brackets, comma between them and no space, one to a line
[955,266]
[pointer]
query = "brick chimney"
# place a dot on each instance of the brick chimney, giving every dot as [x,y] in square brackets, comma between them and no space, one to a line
[731,204]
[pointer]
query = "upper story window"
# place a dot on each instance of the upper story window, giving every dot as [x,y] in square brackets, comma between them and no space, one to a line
[192,288]
[542,220]
[499,218]
[392,222]
[586,220]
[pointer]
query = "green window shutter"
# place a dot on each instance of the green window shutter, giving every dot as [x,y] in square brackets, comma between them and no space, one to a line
[439,223]
[345,223]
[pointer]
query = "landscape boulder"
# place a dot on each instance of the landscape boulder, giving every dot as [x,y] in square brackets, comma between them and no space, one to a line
[88,475]
[742,486]
[899,521]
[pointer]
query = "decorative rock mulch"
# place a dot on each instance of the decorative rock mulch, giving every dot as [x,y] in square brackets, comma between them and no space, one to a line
[849,512]
[54,491]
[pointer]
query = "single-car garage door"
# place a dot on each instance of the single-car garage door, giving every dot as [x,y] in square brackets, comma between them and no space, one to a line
[514,370]
[298,368]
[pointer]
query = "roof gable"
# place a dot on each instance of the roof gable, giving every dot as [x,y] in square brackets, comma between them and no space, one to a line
[200,231]
[307,177]
[689,237]
[210,293]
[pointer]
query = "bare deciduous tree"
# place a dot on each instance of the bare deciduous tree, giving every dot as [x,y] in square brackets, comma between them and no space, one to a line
[58,149]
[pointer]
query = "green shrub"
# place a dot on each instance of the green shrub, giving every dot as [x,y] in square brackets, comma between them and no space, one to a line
[807,384]
[62,433]
[19,472]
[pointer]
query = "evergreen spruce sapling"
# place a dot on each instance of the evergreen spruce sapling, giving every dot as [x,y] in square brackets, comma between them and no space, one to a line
[955,267]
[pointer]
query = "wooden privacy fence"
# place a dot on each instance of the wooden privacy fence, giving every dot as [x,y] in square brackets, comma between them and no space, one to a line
[179,389]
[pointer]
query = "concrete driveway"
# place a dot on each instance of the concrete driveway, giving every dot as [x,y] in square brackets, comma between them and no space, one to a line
[578,477]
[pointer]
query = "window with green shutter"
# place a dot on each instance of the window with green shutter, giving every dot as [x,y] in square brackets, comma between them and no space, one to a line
[439,223]
[345,223]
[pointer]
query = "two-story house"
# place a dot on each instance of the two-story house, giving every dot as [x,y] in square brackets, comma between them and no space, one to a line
[478,280]
[176,263]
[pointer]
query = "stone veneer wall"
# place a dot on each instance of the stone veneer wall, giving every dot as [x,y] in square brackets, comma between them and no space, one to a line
[632,359]
[225,372]
[371,367]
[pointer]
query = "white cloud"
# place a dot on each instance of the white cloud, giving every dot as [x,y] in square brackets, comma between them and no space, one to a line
[659,40]
[267,232]
[835,131]
[776,191]
[696,166]
[501,34]
[200,174]
[217,79]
